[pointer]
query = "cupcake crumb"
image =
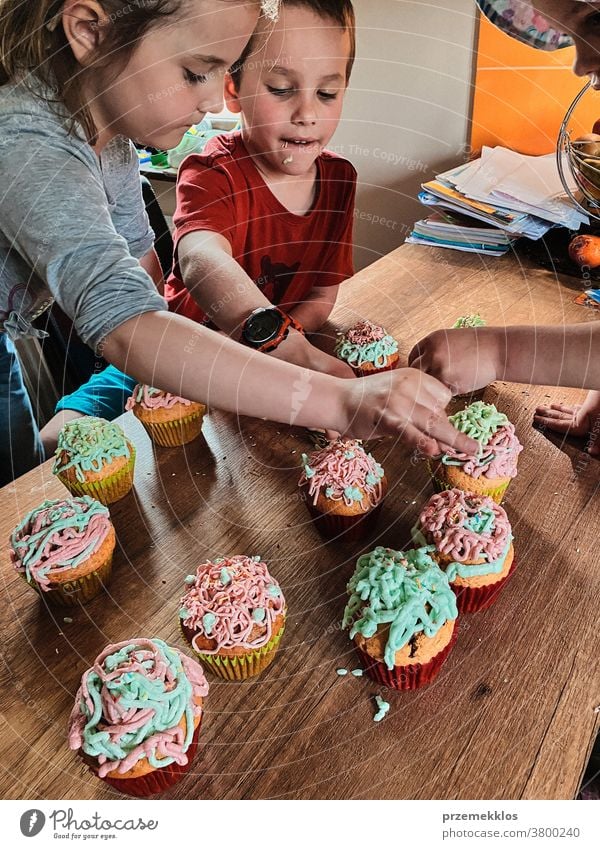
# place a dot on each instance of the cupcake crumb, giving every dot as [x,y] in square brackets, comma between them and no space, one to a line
[67,619]
[341,671]
[383,708]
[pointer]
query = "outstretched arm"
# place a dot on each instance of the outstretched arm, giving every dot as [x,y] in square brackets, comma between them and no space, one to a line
[184,358]
[467,359]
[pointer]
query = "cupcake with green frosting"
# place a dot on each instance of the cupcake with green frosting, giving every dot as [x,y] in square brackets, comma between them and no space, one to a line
[93,457]
[368,349]
[137,715]
[402,616]
[64,549]
[491,469]
[473,544]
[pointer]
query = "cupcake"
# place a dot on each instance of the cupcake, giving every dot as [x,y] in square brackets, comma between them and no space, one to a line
[233,616]
[94,458]
[137,716]
[367,348]
[168,419]
[343,488]
[473,320]
[490,471]
[472,542]
[64,549]
[402,616]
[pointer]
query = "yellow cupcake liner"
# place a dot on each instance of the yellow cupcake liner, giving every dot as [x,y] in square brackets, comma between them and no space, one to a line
[495,493]
[109,489]
[82,589]
[175,433]
[244,666]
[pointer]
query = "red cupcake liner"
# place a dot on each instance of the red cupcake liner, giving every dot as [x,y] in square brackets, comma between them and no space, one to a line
[474,599]
[409,677]
[158,780]
[359,372]
[348,528]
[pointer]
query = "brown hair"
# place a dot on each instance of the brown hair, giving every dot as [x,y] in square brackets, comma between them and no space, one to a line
[341,12]
[33,42]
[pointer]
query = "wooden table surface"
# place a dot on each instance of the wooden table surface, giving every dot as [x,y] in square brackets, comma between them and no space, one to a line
[512,714]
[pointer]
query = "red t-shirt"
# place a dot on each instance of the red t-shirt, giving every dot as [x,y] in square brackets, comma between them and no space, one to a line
[285,254]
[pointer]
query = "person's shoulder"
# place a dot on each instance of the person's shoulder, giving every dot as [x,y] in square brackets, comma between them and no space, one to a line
[336,166]
[221,153]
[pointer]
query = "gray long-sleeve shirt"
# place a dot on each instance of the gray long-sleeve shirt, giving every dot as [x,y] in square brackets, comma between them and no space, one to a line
[72,224]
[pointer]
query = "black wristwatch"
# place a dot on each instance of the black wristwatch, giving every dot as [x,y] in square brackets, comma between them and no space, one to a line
[267,327]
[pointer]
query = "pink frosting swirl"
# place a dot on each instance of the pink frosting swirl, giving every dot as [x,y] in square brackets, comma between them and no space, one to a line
[345,471]
[447,522]
[364,333]
[57,536]
[153,399]
[234,602]
[498,458]
[103,706]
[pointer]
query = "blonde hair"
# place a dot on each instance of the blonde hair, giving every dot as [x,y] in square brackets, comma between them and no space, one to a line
[32,43]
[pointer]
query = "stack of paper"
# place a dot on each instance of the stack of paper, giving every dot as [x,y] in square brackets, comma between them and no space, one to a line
[452,230]
[516,194]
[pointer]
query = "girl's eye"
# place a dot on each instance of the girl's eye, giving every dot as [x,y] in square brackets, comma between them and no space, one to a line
[194,78]
[279,92]
[328,95]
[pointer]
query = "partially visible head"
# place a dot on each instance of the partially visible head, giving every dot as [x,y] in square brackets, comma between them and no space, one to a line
[145,68]
[581,21]
[291,80]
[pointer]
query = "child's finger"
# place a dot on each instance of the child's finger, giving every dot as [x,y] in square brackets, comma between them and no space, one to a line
[560,408]
[558,425]
[549,413]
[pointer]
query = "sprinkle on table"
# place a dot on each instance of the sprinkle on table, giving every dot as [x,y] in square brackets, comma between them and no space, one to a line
[383,708]
[341,671]
[357,673]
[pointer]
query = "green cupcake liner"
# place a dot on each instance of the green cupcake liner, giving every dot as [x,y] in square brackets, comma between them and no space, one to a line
[109,489]
[80,590]
[244,666]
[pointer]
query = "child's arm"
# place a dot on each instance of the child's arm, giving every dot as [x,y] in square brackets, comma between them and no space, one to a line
[151,265]
[582,420]
[224,291]
[314,310]
[470,358]
[184,358]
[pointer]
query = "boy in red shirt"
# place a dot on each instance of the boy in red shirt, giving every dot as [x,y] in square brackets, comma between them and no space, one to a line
[264,216]
[270,197]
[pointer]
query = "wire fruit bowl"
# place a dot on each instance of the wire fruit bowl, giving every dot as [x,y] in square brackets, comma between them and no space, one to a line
[584,166]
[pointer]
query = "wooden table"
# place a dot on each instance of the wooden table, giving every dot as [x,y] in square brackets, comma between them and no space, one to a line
[512,715]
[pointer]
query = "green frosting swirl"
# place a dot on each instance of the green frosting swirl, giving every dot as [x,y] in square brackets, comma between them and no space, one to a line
[474,320]
[87,444]
[405,590]
[479,421]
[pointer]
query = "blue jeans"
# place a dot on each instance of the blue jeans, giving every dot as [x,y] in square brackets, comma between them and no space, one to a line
[20,445]
[104,395]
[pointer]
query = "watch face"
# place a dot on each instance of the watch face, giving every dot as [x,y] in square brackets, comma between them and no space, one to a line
[263,326]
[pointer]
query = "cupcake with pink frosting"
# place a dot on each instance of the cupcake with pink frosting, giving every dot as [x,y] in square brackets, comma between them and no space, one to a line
[64,549]
[491,469]
[367,348]
[168,419]
[137,715]
[471,539]
[233,616]
[343,487]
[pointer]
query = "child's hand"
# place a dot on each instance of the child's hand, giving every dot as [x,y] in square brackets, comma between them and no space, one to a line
[465,359]
[297,349]
[403,402]
[574,421]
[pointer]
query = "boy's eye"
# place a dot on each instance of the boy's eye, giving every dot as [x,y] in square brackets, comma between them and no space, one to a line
[279,92]
[328,95]
[194,78]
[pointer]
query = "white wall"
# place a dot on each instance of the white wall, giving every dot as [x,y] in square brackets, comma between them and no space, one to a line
[406,111]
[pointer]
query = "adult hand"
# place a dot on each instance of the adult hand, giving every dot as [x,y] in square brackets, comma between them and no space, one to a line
[464,359]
